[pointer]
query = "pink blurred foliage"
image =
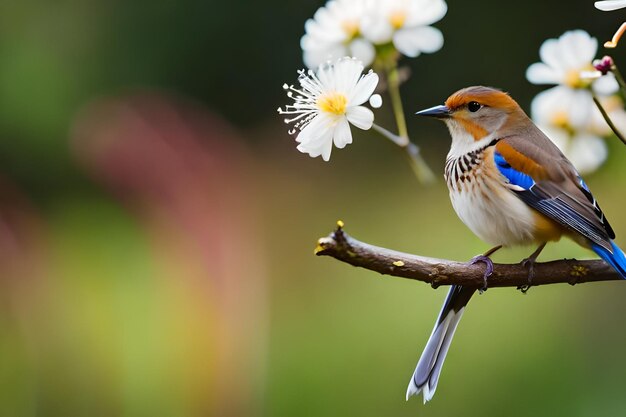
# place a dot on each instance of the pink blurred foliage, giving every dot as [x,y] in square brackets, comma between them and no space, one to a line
[190,183]
[21,235]
[24,259]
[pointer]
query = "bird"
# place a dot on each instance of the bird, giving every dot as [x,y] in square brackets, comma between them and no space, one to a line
[511,186]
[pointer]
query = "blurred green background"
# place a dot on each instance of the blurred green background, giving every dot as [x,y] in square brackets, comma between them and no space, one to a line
[157,225]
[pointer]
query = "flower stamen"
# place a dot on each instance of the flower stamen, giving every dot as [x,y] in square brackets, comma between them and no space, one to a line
[576,78]
[397,18]
[350,28]
[613,42]
[333,102]
[560,119]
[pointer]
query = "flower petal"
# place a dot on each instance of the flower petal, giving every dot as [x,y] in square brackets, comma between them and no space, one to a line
[327,148]
[323,148]
[412,41]
[550,53]
[540,73]
[425,12]
[363,50]
[562,104]
[321,54]
[605,85]
[546,104]
[580,108]
[587,152]
[326,74]
[609,5]
[313,152]
[361,117]
[347,72]
[376,28]
[342,134]
[363,89]
[578,48]
[316,32]
[316,131]
[316,139]
[618,116]
[330,30]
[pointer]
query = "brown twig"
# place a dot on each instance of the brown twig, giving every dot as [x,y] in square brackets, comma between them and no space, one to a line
[436,272]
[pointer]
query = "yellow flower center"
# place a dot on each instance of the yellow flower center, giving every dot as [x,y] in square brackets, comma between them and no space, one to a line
[397,18]
[333,102]
[560,119]
[350,28]
[574,80]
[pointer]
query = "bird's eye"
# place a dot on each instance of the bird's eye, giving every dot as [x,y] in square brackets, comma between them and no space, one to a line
[473,106]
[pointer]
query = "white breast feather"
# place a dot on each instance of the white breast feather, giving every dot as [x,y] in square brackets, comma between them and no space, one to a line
[485,204]
[493,213]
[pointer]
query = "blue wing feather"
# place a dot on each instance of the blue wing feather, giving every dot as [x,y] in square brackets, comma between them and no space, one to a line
[548,199]
[615,257]
[575,209]
[515,177]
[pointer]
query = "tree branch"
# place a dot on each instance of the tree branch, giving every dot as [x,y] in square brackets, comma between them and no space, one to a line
[436,272]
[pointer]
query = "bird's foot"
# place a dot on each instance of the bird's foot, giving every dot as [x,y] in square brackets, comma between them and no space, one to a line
[488,269]
[528,263]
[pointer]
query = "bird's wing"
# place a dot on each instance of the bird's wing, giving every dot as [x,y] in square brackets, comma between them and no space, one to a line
[544,179]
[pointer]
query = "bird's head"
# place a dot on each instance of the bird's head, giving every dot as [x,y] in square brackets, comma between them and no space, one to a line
[476,114]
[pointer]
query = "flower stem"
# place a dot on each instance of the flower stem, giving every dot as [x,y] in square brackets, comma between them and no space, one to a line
[618,76]
[396,101]
[608,120]
[419,166]
[400,141]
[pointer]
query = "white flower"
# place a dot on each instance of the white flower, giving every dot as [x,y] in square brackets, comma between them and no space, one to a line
[560,113]
[568,61]
[334,32]
[586,151]
[563,106]
[327,102]
[575,110]
[572,121]
[608,5]
[354,27]
[567,113]
[405,23]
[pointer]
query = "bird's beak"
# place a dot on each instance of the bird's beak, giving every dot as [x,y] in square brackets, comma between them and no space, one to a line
[440,112]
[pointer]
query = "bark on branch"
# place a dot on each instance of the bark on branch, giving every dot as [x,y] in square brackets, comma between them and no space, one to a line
[436,272]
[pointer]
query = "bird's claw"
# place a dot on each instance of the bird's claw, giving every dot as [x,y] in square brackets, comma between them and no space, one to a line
[488,269]
[530,264]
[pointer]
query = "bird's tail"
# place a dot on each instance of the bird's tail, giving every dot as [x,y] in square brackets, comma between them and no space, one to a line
[615,258]
[428,368]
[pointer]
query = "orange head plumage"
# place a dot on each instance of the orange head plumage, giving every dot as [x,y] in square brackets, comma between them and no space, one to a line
[475,113]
